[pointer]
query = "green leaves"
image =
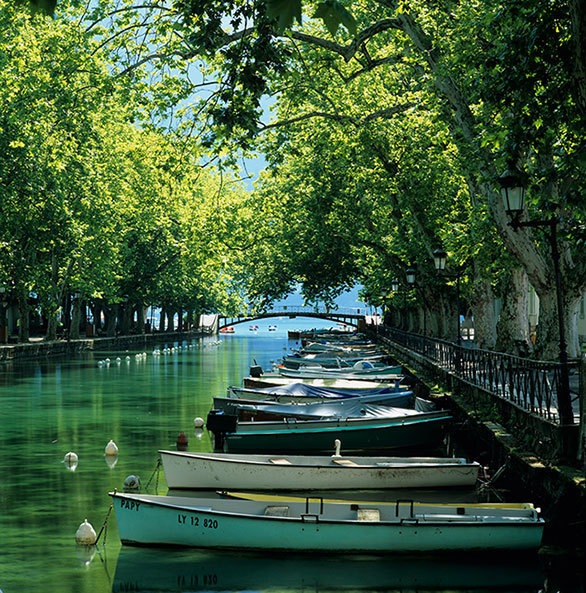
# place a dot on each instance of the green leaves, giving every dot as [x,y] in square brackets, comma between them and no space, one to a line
[284,12]
[333,15]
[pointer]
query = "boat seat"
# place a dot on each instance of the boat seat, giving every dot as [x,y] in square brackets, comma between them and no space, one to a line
[277,511]
[367,515]
[280,460]
[344,461]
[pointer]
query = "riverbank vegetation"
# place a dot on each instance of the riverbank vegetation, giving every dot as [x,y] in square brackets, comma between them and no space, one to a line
[388,126]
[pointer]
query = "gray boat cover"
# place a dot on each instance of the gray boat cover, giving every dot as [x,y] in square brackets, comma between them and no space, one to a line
[316,411]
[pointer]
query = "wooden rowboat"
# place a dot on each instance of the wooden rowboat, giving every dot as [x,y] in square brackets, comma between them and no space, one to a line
[298,472]
[396,429]
[342,527]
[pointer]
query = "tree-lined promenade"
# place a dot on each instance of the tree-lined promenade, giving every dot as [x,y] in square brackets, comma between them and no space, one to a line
[389,128]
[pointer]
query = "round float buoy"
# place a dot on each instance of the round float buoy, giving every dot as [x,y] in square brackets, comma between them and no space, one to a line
[70,458]
[182,441]
[111,448]
[85,534]
[198,422]
[132,483]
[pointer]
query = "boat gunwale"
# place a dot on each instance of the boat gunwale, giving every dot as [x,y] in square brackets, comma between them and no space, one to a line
[404,522]
[416,465]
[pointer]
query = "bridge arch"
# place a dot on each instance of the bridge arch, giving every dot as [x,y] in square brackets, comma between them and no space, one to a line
[353,317]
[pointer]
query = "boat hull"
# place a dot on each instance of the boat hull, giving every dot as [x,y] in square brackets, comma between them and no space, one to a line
[151,520]
[406,432]
[264,472]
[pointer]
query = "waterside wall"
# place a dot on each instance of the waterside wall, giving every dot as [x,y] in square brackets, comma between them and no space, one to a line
[483,431]
[40,349]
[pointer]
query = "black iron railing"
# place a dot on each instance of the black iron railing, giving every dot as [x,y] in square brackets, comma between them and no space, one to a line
[531,384]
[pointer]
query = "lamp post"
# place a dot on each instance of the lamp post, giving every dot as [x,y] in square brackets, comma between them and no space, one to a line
[513,195]
[395,288]
[439,259]
[384,298]
[411,274]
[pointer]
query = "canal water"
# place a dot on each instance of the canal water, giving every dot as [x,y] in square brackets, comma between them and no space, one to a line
[142,401]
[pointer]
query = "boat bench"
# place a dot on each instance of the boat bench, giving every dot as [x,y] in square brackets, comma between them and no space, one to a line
[368,515]
[277,511]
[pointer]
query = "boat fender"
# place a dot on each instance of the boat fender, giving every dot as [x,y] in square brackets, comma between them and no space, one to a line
[111,448]
[131,482]
[70,458]
[85,534]
[182,441]
[198,422]
[338,445]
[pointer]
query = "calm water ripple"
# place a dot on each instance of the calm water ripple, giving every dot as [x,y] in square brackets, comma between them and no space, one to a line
[142,403]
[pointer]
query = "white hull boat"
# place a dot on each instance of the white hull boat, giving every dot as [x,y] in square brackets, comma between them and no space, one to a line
[187,470]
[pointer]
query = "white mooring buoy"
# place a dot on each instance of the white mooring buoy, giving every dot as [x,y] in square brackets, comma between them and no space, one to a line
[111,448]
[85,534]
[198,422]
[70,458]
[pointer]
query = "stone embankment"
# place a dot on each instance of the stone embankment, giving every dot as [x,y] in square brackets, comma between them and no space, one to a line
[38,348]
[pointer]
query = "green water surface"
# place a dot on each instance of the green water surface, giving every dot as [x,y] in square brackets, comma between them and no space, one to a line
[51,407]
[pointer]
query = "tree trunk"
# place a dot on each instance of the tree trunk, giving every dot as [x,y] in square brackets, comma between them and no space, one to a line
[23,310]
[485,335]
[75,320]
[162,318]
[51,334]
[110,320]
[513,323]
[140,318]
[170,321]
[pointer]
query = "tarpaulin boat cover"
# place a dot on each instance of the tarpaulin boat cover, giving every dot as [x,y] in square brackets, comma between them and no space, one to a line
[316,411]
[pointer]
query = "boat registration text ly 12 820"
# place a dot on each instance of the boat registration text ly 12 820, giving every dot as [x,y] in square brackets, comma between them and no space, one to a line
[195,521]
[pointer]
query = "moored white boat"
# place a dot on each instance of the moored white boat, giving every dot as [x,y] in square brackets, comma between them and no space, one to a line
[310,526]
[275,379]
[316,472]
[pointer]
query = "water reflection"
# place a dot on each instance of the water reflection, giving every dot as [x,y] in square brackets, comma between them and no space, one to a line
[158,570]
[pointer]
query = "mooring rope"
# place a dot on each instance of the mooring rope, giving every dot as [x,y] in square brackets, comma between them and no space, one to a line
[104,527]
[155,471]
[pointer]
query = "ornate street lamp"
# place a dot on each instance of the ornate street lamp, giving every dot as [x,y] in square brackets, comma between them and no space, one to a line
[411,275]
[395,285]
[439,259]
[513,194]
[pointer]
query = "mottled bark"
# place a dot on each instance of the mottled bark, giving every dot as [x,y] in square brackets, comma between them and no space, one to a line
[485,334]
[513,323]
[75,320]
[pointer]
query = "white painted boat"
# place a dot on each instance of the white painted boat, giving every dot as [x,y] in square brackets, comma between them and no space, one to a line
[313,472]
[275,379]
[317,526]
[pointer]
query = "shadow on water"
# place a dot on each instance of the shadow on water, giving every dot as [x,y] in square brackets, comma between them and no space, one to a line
[158,570]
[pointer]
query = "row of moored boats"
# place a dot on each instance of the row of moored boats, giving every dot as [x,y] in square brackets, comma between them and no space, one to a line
[321,421]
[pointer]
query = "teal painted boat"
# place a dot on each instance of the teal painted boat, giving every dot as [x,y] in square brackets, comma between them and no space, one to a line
[397,429]
[315,525]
